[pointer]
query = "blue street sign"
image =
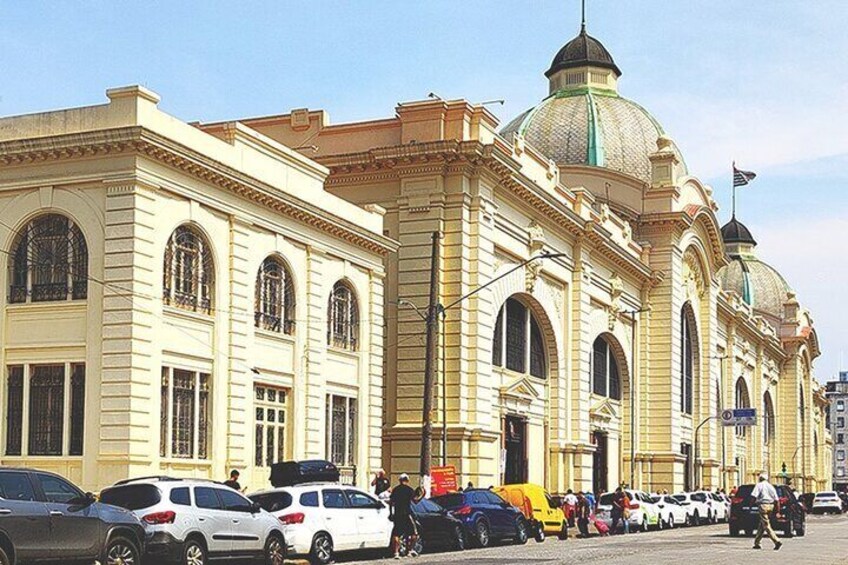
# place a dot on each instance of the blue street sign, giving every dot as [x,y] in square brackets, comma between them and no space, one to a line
[739,417]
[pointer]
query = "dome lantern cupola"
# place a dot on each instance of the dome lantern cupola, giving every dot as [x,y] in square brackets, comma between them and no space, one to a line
[581,63]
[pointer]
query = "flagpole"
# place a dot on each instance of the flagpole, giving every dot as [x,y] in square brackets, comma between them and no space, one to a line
[733,183]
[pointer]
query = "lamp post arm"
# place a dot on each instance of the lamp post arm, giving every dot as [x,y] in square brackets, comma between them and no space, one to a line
[697,449]
[506,274]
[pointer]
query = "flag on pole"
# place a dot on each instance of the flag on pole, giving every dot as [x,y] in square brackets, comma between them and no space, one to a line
[741,178]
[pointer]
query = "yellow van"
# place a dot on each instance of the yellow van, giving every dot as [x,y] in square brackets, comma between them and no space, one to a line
[538,507]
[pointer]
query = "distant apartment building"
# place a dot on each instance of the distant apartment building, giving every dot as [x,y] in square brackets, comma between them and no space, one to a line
[837,392]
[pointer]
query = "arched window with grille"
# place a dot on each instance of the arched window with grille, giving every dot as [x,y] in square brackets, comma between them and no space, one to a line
[687,363]
[606,379]
[518,343]
[343,318]
[49,261]
[275,299]
[768,419]
[742,401]
[189,274]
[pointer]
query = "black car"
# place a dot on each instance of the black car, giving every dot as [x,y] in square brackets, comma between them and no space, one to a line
[487,517]
[436,527]
[789,516]
[43,517]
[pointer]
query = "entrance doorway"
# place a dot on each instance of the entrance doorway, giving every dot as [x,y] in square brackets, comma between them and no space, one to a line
[515,448]
[599,463]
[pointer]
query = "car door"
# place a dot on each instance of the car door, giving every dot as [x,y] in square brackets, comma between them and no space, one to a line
[340,519]
[75,528]
[24,518]
[505,516]
[245,529]
[213,522]
[371,518]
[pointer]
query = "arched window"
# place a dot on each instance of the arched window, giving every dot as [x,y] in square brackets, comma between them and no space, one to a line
[189,275]
[49,261]
[687,363]
[742,401]
[275,301]
[343,318]
[768,419]
[802,404]
[518,329]
[606,379]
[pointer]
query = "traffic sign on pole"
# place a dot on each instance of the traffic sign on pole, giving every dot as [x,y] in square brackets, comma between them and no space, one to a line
[739,417]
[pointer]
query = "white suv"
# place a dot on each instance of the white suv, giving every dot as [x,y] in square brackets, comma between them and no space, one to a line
[322,518]
[827,501]
[192,521]
[697,505]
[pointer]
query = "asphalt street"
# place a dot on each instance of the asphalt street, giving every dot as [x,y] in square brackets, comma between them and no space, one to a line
[826,542]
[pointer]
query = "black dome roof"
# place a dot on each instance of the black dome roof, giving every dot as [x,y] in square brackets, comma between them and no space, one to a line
[583,51]
[735,231]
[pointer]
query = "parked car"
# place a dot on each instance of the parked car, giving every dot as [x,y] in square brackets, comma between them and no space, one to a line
[437,528]
[320,520]
[486,517]
[697,507]
[193,521]
[291,473]
[643,511]
[844,498]
[541,511]
[789,516]
[827,501]
[671,512]
[45,517]
[718,507]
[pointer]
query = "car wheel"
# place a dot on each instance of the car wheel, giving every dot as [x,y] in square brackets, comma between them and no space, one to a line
[696,519]
[275,550]
[671,521]
[4,559]
[194,553]
[322,549]
[660,522]
[483,535]
[521,532]
[734,532]
[790,528]
[540,534]
[801,530]
[563,533]
[119,551]
[459,539]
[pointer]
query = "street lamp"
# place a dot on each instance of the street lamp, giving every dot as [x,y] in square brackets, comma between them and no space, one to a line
[722,358]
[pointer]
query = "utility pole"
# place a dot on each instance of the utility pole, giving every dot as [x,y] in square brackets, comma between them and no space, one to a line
[430,361]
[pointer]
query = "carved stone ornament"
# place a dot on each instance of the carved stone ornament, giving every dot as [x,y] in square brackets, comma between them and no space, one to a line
[616,290]
[537,243]
[693,276]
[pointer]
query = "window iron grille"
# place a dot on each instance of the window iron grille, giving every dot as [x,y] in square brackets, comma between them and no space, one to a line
[343,318]
[188,271]
[275,298]
[49,261]
[77,431]
[46,409]
[14,410]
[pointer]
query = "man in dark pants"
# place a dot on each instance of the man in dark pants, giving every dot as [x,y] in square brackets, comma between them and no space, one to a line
[617,512]
[401,501]
[583,512]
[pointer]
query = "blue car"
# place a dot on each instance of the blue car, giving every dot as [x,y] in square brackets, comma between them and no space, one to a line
[486,517]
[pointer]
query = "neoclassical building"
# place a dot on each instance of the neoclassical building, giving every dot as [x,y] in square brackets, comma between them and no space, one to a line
[608,361]
[183,302]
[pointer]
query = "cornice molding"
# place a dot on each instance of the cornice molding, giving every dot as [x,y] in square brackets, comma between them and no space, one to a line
[137,139]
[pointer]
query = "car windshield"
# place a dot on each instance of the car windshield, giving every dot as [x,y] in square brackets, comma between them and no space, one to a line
[132,497]
[450,501]
[699,496]
[273,501]
[679,497]
[744,491]
[826,495]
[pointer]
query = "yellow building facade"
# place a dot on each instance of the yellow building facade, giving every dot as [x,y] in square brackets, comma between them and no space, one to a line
[182,302]
[607,362]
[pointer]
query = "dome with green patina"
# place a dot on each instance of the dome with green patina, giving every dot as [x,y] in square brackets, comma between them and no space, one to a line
[759,284]
[584,121]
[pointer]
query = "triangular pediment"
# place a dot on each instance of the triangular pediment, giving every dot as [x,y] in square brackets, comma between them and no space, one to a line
[520,389]
[604,410]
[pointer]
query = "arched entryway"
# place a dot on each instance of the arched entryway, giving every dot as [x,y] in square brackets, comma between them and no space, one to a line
[608,370]
[523,357]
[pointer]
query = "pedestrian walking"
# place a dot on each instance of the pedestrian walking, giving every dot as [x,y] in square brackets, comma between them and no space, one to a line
[584,513]
[400,502]
[590,498]
[625,512]
[232,482]
[617,511]
[766,496]
[569,503]
[380,483]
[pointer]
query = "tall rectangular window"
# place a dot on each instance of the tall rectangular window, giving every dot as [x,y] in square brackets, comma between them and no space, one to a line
[185,414]
[270,405]
[14,409]
[50,429]
[341,430]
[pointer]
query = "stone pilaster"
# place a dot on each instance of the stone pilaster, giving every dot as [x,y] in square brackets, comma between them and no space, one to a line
[310,390]
[130,380]
[239,384]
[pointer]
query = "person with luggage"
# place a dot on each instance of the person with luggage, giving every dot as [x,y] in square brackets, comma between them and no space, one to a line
[583,513]
[400,502]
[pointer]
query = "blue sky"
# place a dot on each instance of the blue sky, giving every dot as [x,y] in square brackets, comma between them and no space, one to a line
[762,81]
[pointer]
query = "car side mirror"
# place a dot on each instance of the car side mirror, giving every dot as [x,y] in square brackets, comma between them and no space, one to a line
[255,508]
[83,501]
